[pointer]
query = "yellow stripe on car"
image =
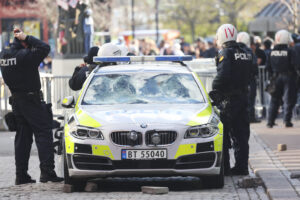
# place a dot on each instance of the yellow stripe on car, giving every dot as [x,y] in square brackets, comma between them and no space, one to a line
[80,93]
[201,118]
[77,102]
[69,144]
[65,100]
[185,149]
[218,139]
[85,120]
[102,150]
[206,94]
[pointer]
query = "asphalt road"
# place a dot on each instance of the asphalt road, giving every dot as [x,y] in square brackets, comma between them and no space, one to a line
[7,144]
[112,188]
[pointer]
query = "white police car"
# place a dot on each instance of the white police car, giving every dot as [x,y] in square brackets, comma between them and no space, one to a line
[143,119]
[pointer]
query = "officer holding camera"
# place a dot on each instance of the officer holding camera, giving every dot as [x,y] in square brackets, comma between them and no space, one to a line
[19,66]
[233,66]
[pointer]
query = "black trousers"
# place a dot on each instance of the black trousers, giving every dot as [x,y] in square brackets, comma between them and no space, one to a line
[236,129]
[286,91]
[251,98]
[33,118]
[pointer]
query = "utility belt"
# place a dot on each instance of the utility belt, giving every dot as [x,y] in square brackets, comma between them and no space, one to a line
[237,92]
[22,95]
[287,73]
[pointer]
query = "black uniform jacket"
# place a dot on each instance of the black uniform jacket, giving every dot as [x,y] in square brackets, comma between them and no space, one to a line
[19,65]
[282,59]
[233,69]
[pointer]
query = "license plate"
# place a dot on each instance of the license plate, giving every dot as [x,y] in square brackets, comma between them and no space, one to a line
[144,154]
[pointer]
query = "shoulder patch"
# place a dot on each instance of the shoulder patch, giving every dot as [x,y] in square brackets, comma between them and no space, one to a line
[221,58]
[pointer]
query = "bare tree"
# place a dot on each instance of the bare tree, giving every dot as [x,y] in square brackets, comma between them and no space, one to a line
[47,9]
[101,13]
[193,12]
[292,6]
[233,8]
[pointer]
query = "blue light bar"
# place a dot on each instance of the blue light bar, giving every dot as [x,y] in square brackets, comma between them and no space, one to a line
[101,59]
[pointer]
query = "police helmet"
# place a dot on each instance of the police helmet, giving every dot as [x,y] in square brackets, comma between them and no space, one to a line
[109,49]
[244,38]
[283,37]
[257,40]
[124,50]
[226,33]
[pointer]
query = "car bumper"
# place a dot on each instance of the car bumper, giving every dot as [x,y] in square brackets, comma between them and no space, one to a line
[84,166]
[75,173]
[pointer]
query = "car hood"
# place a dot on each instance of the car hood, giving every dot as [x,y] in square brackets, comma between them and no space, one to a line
[148,114]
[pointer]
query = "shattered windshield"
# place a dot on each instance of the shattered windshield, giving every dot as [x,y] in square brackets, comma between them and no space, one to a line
[146,88]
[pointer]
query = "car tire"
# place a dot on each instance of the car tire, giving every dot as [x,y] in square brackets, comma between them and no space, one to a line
[216,181]
[78,184]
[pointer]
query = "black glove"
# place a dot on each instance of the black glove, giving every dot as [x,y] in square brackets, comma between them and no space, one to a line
[216,97]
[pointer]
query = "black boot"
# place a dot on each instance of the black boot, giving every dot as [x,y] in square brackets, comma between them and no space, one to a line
[23,178]
[289,124]
[271,124]
[239,171]
[49,175]
[254,120]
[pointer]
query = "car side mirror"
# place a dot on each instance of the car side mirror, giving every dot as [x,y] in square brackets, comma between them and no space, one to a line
[68,102]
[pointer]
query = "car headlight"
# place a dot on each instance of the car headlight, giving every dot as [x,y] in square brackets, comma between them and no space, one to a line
[81,132]
[203,131]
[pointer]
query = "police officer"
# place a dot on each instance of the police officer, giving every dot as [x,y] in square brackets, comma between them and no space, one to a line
[81,73]
[233,65]
[282,68]
[19,67]
[243,39]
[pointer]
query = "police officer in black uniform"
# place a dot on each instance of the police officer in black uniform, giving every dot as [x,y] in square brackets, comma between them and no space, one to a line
[19,67]
[244,41]
[282,68]
[81,73]
[233,65]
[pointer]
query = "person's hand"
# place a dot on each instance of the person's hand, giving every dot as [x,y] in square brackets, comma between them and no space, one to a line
[19,34]
[82,65]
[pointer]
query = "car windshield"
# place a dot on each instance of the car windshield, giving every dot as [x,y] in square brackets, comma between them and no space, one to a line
[143,88]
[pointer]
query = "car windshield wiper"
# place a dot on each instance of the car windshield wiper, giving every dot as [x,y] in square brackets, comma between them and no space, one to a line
[138,101]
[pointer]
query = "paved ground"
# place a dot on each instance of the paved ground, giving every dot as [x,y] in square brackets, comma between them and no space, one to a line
[281,135]
[117,188]
[273,166]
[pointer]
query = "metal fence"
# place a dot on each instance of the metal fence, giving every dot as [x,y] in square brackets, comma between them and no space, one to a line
[55,88]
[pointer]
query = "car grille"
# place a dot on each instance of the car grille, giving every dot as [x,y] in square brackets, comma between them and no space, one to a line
[166,137]
[121,138]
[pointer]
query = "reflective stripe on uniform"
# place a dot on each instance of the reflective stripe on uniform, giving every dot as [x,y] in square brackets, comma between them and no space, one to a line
[85,120]
[102,150]
[185,149]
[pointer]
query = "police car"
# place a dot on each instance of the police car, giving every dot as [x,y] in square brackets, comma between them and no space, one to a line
[149,116]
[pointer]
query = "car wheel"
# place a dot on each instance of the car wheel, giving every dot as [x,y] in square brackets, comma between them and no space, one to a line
[78,184]
[216,181]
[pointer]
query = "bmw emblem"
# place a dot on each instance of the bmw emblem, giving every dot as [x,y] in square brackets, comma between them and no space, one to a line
[144,125]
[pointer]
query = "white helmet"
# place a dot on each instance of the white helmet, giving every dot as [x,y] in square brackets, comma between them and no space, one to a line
[282,37]
[226,33]
[244,38]
[257,39]
[109,49]
[124,50]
